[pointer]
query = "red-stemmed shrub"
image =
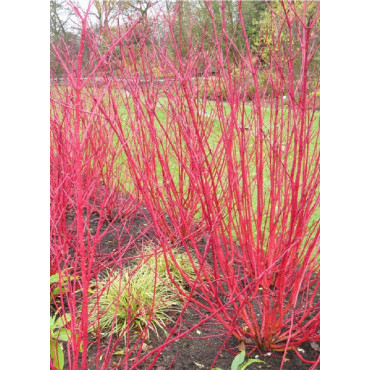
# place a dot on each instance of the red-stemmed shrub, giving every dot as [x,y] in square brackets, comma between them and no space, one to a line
[226,164]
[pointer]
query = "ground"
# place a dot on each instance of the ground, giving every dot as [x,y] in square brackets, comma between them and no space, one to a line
[199,350]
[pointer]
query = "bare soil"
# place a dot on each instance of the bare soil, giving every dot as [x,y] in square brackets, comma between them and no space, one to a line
[199,349]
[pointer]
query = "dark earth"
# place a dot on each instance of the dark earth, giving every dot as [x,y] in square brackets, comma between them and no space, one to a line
[195,351]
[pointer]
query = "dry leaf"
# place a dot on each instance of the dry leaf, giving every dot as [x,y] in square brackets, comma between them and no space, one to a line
[286,359]
[315,346]
[145,347]
[241,347]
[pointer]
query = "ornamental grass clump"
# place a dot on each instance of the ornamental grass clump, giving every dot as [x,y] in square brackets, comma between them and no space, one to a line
[130,300]
[179,269]
[140,297]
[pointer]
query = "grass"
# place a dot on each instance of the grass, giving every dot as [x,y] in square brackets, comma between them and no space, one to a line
[213,140]
[129,300]
[138,297]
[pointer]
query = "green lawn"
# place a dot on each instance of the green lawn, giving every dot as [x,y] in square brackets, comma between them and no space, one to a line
[164,128]
[213,141]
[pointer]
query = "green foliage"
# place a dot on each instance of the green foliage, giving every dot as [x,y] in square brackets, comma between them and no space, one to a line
[130,300]
[213,88]
[193,18]
[58,333]
[270,32]
[55,288]
[239,362]
[157,263]
[138,297]
[316,97]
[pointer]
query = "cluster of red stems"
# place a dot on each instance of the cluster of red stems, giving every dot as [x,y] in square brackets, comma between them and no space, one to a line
[241,199]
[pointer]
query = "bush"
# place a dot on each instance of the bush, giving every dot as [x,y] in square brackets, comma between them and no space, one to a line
[245,200]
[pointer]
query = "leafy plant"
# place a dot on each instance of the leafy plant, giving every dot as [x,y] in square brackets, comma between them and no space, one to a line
[239,362]
[58,333]
[57,289]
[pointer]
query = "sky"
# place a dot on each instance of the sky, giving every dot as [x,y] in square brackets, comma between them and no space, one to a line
[83,4]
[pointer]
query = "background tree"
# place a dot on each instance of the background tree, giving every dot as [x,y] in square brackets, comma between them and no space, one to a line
[60,33]
[60,15]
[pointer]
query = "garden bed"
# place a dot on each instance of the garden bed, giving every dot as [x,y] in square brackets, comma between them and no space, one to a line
[199,348]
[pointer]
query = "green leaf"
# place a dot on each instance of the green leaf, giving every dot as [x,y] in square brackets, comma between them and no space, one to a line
[58,291]
[250,361]
[58,323]
[55,291]
[238,360]
[63,320]
[52,348]
[59,362]
[52,322]
[216,368]
[56,354]
[64,334]
[54,278]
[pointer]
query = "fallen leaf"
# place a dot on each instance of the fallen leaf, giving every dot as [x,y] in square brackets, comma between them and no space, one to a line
[199,365]
[145,347]
[315,346]
[286,359]
[241,347]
